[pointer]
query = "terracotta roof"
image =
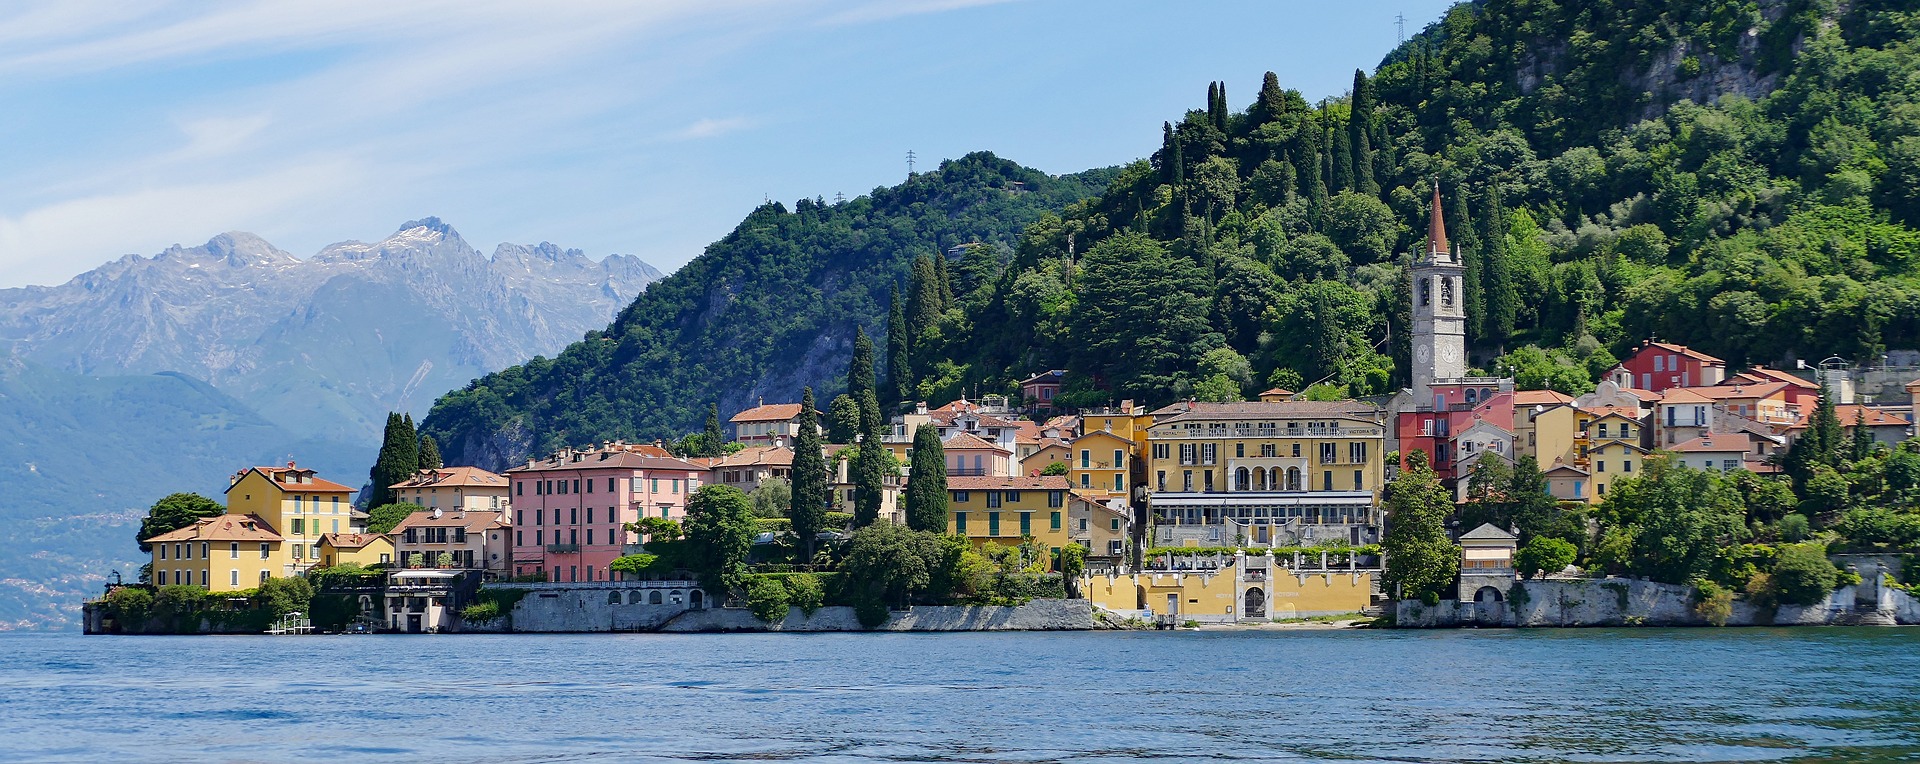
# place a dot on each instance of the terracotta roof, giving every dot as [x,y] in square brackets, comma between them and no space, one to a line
[753,456]
[1914,386]
[618,459]
[275,474]
[1265,410]
[349,540]
[1053,375]
[1014,483]
[1777,375]
[1566,468]
[1103,434]
[449,477]
[222,528]
[1026,431]
[1436,224]
[1850,413]
[1539,398]
[1683,395]
[1708,443]
[1071,421]
[768,412]
[967,440]
[1723,392]
[1644,395]
[1277,391]
[1619,411]
[1682,350]
[472,521]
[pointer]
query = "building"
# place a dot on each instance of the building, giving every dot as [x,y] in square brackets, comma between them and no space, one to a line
[1568,483]
[1656,366]
[221,554]
[1102,526]
[1276,395]
[1044,447]
[1610,442]
[1009,510]
[364,549]
[570,509]
[1682,415]
[1709,453]
[769,424]
[747,468]
[1887,429]
[968,455]
[840,461]
[468,489]
[478,540]
[1296,472]
[1101,465]
[1038,390]
[297,505]
[1458,405]
[1234,587]
[1486,564]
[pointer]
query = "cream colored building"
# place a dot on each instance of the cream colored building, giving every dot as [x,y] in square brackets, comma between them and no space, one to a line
[469,489]
[457,539]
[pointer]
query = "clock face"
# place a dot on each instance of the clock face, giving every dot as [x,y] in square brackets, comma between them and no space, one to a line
[1420,353]
[1449,354]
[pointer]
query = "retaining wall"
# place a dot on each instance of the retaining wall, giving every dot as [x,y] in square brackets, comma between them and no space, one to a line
[626,606]
[1625,602]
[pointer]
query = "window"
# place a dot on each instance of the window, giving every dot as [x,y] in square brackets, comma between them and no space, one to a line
[1186,480]
[589,537]
[1600,466]
[589,513]
[993,500]
[1296,450]
[1240,450]
[1054,498]
[1603,429]
[1086,480]
[1626,465]
[1026,523]
[960,523]
[1187,453]
[519,538]
[520,488]
[1359,480]
[610,485]
[1119,459]
[233,578]
[299,526]
[233,549]
[1326,480]
[1086,459]
[960,497]
[1159,450]
[1208,479]
[573,515]
[163,551]
[1446,291]
[1056,521]
[1357,453]
[1119,483]
[1328,453]
[265,550]
[296,551]
[676,485]
[1209,452]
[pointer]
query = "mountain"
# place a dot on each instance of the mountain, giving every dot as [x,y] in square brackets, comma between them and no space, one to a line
[1740,176]
[324,346]
[768,309]
[81,457]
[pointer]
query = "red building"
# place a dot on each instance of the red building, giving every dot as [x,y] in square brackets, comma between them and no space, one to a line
[1657,366]
[1458,405]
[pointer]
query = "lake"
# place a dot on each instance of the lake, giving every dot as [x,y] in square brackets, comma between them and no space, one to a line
[1831,694]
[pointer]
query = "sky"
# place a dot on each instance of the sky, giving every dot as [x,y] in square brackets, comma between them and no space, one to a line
[640,127]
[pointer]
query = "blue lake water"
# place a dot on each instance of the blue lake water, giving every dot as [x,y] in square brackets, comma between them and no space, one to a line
[1535,696]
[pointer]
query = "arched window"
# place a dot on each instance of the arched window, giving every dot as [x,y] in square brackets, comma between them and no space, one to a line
[1426,291]
[1446,291]
[1240,480]
[654,598]
[1472,395]
[613,598]
[695,600]
[1293,478]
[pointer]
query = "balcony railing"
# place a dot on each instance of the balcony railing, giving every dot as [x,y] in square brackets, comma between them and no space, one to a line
[1269,432]
[563,548]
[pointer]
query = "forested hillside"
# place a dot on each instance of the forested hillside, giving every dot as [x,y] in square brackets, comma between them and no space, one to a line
[1743,177]
[763,312]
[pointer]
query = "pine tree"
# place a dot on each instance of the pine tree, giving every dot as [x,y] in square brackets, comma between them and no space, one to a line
[860,367]
[926,494]
[429,453]
[870,464]
[1359,135]
[714,442]
[1502,298]
[1862,445]
[811,491]
[899,361]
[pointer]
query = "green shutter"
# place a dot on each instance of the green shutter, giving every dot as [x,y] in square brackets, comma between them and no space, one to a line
[1056,521]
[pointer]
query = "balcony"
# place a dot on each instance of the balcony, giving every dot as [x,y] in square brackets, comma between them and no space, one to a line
[563,548]
[1269,432]
[969,472]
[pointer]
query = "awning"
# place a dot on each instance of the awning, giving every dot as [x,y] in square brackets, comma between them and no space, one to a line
[1265,499]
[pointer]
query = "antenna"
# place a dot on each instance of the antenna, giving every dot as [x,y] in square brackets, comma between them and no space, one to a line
[1400,25]
[839,197]
[910,159]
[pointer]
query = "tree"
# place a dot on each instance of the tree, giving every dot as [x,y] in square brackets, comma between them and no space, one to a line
[891,564]
[1862,444]
[286,595]
[719,530]
[1672,519]
[429,453]
[860,379]
[1140,338]
[656,528]
[1802,574]
[399,459]
[1544,555]
[926,494]
[175,511]
[923,308]
[899,360]
[383,518]
[843,419]
[772,497]
[869,465]
[1496,279]
[811,491]
[714,444]
[1055,469]
[1359,138]
[1421,561]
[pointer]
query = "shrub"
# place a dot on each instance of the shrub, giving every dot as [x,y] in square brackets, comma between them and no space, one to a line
[871,611]
[838,521]
[767,599]
[636,564]
[657,529]
[1714,603]
[1884,527]
[1802,574]
[805,591]
[1544,555]
[281,596]
[481,612]
[130,607]
[1794,528]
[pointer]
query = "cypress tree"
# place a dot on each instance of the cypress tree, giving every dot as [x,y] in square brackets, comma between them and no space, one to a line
[1825,428]
[860,379]
[870,464]
[1342,163]
[1272,102]
[811,492]
[1473,297]
[899,362]
[1862,436]
[926,494]
[1502,299]
[1359,132]
[943,269]
[1213,104]
[429,453]
[714,442]
[1167,152]
[923,302]
[1220,110]
[399,459]
[1179,164]
[1313,185]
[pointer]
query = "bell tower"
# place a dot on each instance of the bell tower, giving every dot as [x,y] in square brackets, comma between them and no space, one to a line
[1439,315]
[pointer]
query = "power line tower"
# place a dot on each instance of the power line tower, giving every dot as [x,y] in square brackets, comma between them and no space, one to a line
[1400,26]
[839,198]
[910,159]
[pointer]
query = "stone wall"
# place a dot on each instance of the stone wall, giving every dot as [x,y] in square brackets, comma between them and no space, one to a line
[1626,602]
[1038,615]
[628,606]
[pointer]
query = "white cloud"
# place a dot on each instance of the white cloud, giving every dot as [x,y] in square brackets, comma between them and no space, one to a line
[711,127]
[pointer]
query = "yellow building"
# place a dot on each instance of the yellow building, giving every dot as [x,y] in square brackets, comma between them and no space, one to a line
[366,549]
[1101,464]
[1265,472]
[1009,510]
[299,505]
[1530,405]
[1610,441]
[1250,589]
[221,554]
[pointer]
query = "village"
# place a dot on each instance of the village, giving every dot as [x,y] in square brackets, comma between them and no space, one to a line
[1183,513]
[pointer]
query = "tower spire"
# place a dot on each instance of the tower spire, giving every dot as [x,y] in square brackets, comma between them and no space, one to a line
[1437,226]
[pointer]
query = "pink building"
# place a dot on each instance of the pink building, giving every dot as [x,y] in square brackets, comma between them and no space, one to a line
[569,509]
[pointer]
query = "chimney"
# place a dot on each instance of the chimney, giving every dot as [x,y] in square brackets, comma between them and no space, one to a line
[291,465]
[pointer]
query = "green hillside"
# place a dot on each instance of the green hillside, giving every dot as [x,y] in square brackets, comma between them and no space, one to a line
[1737,176]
